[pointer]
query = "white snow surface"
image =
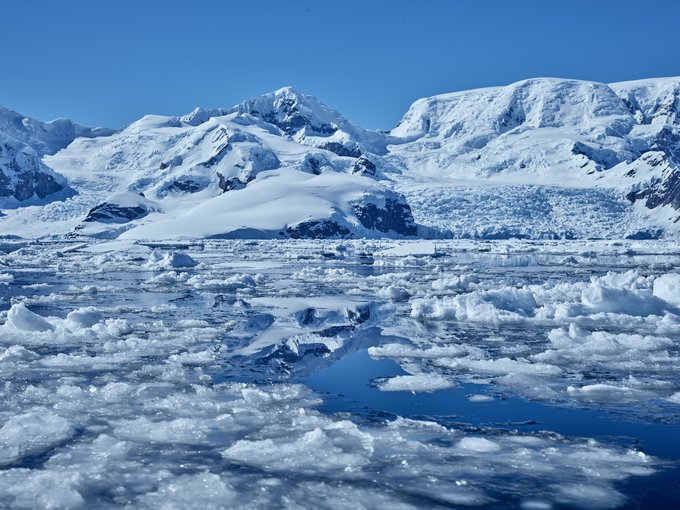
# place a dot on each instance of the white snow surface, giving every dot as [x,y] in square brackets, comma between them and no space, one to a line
[543,158]
[539,158]
[272,181]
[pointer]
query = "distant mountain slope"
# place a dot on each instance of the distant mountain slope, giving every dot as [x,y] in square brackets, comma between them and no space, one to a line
[45,137]
[24,179]
[620,142]
[281,165]
[541,158]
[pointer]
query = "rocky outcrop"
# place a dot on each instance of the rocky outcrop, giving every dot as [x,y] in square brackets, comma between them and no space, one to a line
[392,217]
[23,177]
[121,208]
[364,166]
[114,213]
[345,149]
[319,229]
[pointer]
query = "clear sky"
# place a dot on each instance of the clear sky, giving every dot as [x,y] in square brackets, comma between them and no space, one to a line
[106,62]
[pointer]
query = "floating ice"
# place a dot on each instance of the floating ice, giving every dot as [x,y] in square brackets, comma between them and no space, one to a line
[170,260]
[30,433]
[416,383]
[412,248]
[105,402]
[231,284]
[667,287]
[20,317]
[395,293]
[480,398]
[84,317]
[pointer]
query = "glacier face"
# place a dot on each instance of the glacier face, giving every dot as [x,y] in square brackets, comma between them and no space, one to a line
[540,158]
[617,143]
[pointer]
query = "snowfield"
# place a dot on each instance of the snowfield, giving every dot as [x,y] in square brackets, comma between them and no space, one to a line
[543,158]
[152,374]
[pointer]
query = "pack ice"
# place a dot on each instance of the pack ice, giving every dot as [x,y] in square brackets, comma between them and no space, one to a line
[173,375]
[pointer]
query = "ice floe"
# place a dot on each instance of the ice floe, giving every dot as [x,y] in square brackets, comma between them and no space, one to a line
[174,386]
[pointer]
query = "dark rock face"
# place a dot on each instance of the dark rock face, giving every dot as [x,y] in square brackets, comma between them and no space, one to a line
[114,213]
[288,110]
[36,183]
[5,185]
[185,186]
[602,157]
[290,120]
[347,149]
[31,179]
[229,183]
[318,229]
[646,235]
[396,217]
[251,160]
[314,163]
[218,156]
[364,166]
[665,191]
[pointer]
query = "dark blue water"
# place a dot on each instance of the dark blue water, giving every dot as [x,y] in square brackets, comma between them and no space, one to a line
[347,386]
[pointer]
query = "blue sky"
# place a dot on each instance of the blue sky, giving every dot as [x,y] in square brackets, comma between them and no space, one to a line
[110,62]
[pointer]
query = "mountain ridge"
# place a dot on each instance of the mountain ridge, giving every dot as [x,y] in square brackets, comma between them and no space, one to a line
[619,143]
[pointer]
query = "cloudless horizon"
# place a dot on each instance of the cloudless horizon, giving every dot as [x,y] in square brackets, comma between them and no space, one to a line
[110,63]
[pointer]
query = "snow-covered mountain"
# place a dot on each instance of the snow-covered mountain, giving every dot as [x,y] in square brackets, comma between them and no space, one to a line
[306,119]
[515,160]
[24,179]
[541,158]
[280,165]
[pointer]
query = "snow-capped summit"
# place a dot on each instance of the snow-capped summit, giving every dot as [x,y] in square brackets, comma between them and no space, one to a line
[292,112]
[45,137]
[302,117]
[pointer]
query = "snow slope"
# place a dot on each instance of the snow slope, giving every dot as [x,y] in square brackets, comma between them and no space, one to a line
[498,146]
[260,169]
[543,158]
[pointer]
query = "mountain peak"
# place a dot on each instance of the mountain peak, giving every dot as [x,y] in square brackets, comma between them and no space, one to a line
[288,90]
[292,111]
